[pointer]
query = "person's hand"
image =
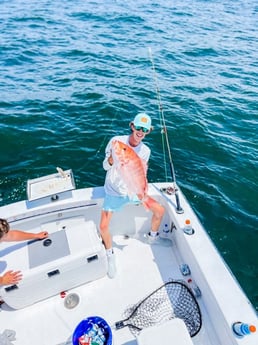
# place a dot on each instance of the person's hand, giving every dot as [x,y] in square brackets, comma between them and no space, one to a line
[41,235]
[11,277]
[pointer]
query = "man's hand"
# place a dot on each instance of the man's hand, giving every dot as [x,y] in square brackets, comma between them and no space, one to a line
[41,235]
[10,277]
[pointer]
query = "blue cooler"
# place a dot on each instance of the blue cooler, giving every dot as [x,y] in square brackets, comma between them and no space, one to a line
[95,327]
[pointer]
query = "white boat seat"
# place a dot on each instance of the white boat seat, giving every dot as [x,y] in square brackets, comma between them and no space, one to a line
[170,332]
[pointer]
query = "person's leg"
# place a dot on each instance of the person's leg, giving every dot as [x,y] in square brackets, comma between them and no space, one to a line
[111,204]
[157,213]
[104,228]
[107,240]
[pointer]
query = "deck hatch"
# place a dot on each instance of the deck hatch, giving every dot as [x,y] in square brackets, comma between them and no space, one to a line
[40,253]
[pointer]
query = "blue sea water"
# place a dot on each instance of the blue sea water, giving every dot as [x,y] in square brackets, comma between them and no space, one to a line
[74,73]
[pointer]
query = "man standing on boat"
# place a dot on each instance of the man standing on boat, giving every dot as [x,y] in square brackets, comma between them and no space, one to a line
[116,193]
[7,235]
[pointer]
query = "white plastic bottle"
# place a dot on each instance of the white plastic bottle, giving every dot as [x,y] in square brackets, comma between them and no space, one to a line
[241,329]
[188,229]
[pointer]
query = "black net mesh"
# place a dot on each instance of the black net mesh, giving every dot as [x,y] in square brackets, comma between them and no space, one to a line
[171,300]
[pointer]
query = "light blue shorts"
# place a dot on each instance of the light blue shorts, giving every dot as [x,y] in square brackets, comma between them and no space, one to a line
[115,203]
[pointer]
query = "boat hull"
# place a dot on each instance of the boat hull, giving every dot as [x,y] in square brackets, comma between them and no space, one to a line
[142,268]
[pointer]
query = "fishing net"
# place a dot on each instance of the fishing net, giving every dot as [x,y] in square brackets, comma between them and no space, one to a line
[172,300]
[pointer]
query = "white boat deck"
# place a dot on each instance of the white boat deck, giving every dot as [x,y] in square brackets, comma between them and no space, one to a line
[141,269]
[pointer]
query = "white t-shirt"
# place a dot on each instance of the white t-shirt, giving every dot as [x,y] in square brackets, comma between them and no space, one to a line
[114,185]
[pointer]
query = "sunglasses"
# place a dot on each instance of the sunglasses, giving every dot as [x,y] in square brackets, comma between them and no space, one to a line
[138,128]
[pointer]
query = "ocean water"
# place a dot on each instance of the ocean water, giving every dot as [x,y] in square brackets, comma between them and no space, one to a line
[74,73]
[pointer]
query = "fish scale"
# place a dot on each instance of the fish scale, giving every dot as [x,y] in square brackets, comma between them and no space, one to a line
[131,168]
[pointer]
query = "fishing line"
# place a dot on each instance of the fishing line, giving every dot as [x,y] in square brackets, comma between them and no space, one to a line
[164,131]
[103,142]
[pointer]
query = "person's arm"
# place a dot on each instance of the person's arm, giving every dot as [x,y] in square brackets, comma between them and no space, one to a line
[10,277]
[18,235]
[108,161]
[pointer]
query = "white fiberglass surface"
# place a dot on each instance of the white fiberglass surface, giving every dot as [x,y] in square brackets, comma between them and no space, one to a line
[141,269]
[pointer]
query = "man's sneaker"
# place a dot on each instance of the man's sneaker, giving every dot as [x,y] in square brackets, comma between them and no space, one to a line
[157,240]
[111,266]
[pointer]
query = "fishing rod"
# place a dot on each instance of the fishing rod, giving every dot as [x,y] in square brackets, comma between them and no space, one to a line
[164,131]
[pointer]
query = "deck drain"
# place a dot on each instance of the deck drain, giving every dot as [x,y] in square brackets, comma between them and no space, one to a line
[71,301]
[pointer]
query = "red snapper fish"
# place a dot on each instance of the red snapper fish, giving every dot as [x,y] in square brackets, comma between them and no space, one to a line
[132,170]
